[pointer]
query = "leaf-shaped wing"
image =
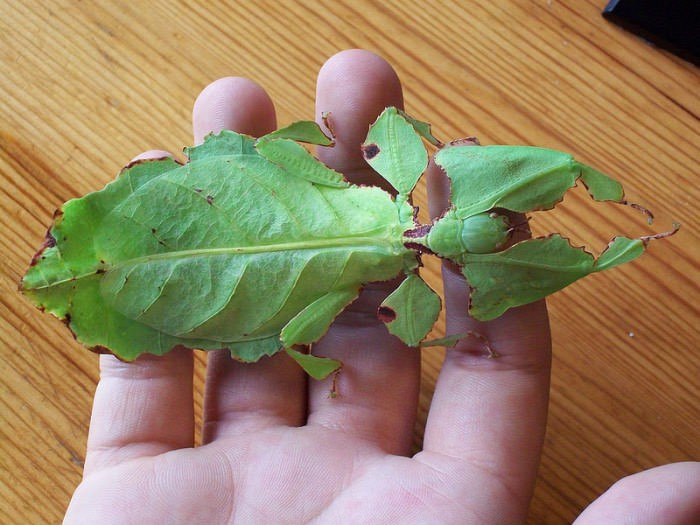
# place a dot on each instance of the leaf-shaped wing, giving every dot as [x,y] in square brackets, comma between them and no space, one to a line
[217,253]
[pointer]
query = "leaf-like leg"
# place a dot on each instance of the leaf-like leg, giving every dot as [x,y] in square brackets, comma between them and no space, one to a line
[395,150]
[309,325]
[517,178]
[524,273]
[250,351]
[410,311]
[602,188]
[302,131]
[533,269]
[313,321]
[293,158]
[422,128]
[317,367]
[451,340]
[520,179]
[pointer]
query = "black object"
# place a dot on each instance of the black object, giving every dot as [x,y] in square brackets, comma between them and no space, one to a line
[671,24]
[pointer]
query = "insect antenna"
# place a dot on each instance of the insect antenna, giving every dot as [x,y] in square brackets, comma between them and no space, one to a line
[639,207]
[647,238]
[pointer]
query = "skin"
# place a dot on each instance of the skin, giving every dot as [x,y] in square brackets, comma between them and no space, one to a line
[277,449]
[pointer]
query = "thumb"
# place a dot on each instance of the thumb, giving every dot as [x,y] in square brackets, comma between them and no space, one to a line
[669,494]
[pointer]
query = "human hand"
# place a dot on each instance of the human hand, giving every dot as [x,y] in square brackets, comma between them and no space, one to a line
[275,447]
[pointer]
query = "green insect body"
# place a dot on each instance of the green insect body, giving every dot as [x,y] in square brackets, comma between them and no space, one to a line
[451,235]
[255,246]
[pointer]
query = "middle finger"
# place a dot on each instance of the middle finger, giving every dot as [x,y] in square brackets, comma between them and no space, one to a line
[379,382]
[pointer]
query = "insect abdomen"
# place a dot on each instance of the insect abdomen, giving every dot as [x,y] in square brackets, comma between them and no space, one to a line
[241,295]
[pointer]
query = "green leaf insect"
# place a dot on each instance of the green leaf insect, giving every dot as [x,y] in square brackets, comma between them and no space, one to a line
[255,246]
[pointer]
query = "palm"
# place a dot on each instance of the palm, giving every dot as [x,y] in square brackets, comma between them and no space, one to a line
[276,447]
[290,475]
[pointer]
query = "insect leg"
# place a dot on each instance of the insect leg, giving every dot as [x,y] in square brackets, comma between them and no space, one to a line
[313,321]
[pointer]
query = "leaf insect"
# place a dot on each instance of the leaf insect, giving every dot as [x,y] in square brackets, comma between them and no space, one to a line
[255,246]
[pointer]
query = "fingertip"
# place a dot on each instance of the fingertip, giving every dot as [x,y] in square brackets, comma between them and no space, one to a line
[354,86]
[152,154]
[359,64]
[234,103]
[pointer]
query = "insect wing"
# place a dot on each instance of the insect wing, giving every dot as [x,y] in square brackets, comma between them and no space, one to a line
[170,254]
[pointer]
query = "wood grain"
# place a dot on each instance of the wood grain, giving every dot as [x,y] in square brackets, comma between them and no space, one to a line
[86,85]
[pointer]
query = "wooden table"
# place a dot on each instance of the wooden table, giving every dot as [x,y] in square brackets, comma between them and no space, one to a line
[84,86]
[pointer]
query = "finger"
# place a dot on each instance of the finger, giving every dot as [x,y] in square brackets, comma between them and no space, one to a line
[669,494]
[152,154]
[242,397]
[354,87]
[234,103]
[142,408]
[132,417]
[489,413]
[378,384]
